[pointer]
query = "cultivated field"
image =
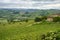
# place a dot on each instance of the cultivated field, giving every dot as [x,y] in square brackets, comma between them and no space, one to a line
[26,31]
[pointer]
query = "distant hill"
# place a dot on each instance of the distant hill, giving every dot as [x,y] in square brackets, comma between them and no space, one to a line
[4,13]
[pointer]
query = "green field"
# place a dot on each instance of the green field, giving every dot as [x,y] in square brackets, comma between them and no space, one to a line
[26,31]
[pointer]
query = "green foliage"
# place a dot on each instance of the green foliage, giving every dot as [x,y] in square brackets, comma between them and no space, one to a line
[37,19]
[44,18]
[26,31]
[56,19]
[26,20]
[51,36]
[4,13]
[30,30]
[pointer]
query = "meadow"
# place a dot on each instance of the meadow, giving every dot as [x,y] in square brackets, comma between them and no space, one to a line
[26,30]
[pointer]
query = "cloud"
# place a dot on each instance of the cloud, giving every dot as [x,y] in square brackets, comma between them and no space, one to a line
[31,4]
[18,1]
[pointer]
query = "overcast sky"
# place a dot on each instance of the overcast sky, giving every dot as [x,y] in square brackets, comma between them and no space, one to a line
[30,4]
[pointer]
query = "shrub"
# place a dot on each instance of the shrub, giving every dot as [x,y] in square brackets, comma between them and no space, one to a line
[43,36]
[37,19]
[56,19]
[51,36]
[44,17]
[26,20]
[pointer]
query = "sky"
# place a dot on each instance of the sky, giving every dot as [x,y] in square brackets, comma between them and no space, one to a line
[30,4]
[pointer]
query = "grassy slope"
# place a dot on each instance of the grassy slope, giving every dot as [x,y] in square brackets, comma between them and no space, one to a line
[28,31]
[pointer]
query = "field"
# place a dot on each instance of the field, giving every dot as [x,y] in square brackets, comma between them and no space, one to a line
[26,30]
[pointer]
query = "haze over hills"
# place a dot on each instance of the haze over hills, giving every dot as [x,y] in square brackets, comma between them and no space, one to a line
[31,13]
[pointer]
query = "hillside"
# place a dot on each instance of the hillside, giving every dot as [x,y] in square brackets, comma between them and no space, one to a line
[30,13]
[26,31]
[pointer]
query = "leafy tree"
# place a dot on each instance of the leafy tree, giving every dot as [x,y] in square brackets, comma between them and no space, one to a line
[44,17]
[37,19]
[26,20]
[10,18]
[56,19]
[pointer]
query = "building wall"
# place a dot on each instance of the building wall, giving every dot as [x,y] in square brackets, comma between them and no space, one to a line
[49,19]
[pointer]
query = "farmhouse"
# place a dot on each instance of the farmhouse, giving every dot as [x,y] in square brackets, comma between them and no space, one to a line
[50,18]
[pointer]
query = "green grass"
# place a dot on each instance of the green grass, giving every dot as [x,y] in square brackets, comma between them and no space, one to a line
[26,31]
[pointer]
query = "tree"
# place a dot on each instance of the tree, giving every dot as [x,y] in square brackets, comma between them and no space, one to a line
[37,19]
[10,18]
[26,20]
[44,17]
[56,19]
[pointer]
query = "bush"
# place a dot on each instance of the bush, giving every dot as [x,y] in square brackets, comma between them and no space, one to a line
[37,19]
[51,36]
[44,17]
[26,20]
[56,19]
